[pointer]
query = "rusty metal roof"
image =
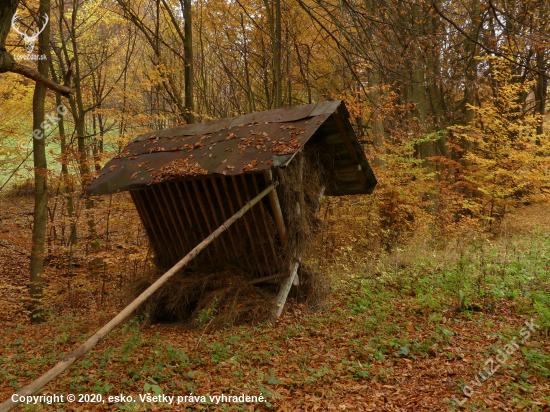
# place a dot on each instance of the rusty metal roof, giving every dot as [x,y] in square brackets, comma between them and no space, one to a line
[244,144]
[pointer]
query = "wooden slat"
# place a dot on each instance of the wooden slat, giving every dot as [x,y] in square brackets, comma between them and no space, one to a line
[173,218]
[246,225]
[264,218]
[249,222]
[215,216]
[165,243]
[257,224]
[239,227]
[186,211]
[168,223]
[348,169]
[180,217]
[143,202]
[265,279]
[206,218]
[194,209]
[186,199]
[145,220]
[221,202]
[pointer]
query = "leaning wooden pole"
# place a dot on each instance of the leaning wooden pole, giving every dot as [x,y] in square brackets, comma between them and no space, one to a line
[58,369]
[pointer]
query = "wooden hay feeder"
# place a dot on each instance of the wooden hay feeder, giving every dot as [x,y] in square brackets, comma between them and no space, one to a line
[188,180]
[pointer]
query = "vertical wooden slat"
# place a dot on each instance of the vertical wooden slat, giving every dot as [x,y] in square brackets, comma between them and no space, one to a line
[159,239]
[264,218]
[248,223]
[257,225]
[245,222]
[144,220]
[165,243]
[168,223]
[215,215]
[205,232]
[176,205]
[186,211]
[216,243]
[225,217]
[194,209]
[185,201]
[173,219]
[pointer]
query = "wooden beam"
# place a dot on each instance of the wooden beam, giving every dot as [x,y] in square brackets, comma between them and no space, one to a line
[348,169]
[276,207]
[265,279]
[58,369]
[282,296]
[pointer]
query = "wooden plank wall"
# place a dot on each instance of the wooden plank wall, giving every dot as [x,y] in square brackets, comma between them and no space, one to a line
[178,215]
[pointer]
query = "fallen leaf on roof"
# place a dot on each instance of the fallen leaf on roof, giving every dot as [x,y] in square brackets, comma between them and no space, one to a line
[182,167]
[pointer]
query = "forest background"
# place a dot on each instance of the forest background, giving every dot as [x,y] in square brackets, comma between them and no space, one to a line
[448,98]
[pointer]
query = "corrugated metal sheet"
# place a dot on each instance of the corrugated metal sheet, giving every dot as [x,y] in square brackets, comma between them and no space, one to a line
[249,143]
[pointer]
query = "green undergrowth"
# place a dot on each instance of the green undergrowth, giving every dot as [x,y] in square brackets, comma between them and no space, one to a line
[446,305]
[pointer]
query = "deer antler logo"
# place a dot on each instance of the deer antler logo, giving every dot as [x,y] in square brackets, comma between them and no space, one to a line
[29,40]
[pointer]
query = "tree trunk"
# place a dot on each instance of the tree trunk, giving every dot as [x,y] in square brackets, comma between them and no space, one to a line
[40,176]
[274,19]
[188,55]
[377,124]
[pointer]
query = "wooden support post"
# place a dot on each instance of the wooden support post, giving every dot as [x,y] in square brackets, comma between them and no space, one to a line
[265,279]
[280,300]
[58,369]
[276,206]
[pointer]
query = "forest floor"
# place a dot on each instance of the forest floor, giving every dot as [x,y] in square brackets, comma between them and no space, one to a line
[410,330]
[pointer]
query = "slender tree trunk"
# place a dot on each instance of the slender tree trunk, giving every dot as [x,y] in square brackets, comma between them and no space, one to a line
[377,124]
[471,68]
[40,175]
[65,173]
[274,18]
[188,55]
[541,90]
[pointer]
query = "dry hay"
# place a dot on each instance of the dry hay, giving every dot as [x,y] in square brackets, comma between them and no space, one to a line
[301,184]
[223,295]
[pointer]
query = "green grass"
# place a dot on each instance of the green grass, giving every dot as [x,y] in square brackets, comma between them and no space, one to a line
[380,327]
